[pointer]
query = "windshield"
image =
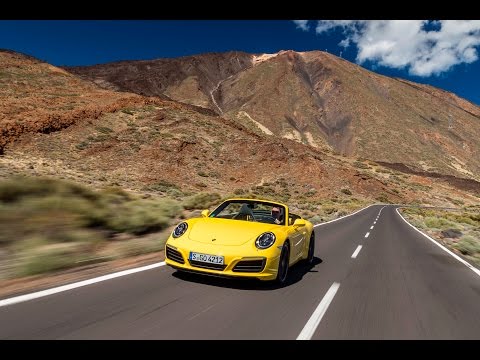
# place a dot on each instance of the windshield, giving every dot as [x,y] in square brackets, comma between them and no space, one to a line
[243,210]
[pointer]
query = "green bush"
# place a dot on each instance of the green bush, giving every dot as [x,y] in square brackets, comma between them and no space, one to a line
[361,165]
[440,223]
[127,111]
[104,129]
[201,201]
[315,219]
[468,245]
[162,186]
[142,216]
[44,259]
[346,191]
[14,189]
[383,198]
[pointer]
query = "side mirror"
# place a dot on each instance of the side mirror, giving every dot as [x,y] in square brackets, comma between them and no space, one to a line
[299,222]
[205,213]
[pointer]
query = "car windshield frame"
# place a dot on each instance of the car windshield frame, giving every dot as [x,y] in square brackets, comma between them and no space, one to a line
[264,216]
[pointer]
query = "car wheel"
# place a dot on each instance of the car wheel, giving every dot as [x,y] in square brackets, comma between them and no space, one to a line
[311,249]
[283,264]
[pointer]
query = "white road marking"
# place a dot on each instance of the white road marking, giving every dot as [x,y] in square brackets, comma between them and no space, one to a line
[371,227]
[39,294]
[374,222]
[357,250]
[328,222]
[366,235]
[314,321]
[467,264]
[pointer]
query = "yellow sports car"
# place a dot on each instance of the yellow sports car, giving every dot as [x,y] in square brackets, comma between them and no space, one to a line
[242,238]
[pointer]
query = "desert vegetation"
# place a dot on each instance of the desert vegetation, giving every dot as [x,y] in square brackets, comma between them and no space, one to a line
[458,230]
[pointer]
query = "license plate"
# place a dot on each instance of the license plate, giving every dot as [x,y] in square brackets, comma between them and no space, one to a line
[212,259]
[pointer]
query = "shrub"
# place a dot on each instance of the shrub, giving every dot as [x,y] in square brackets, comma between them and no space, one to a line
[49,258]
[439,223]
[383,198]
[201,201]
[127,111]
[346,191]
[315,219]
[161,186]
[468,245]
[361,165]
[14,189]
[104,129]
[142,216]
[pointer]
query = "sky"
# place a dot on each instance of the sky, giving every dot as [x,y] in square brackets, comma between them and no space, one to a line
[441,53]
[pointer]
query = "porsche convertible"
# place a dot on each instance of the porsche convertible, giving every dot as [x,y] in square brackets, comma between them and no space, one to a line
[242,238]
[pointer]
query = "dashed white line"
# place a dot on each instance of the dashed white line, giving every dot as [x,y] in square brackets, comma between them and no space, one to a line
[371,227]
[39,294]
[366,235]
[314,321]
[357,250]
[374,222]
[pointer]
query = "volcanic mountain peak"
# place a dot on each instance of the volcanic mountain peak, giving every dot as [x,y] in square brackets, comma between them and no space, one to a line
[263,57]
[56,123]
[319,99]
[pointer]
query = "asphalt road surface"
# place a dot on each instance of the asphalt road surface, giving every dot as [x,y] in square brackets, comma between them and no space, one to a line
[397,285]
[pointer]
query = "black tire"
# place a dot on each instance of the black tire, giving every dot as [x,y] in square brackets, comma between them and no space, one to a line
[283,264]
[311,250]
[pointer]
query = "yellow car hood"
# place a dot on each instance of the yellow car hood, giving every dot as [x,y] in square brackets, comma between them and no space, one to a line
[226,231]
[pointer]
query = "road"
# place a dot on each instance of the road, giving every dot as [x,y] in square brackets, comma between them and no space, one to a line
[398,285]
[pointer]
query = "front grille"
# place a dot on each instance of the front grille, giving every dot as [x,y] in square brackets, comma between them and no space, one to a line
[205,265]
[174,255]
[250,265]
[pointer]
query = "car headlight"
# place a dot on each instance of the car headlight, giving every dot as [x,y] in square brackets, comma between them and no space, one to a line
[265,240]
[180,230]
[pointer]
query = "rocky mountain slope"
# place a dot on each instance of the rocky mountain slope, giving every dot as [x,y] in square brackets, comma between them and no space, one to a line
[318,99]
[70,128]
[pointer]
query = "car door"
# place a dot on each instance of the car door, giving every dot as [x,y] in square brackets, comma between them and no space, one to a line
[297,237]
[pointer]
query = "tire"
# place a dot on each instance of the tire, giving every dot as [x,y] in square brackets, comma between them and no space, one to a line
[311,250]
[283,265]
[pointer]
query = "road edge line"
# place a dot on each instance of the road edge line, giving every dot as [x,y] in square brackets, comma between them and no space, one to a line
[464,262]
[327,222]
[75,285]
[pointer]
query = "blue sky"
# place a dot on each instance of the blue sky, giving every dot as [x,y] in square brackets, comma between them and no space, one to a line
[440,53]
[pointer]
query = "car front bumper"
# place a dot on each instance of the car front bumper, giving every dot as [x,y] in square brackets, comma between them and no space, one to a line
[260,267]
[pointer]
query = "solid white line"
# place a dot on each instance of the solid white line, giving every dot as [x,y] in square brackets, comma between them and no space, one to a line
[327,222]
[371,227]
[312,323]
[357,250]
[366,235]
[467,264]
[39,294]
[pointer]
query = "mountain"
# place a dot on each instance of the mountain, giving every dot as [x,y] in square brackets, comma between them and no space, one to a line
[318,99]
[56,124]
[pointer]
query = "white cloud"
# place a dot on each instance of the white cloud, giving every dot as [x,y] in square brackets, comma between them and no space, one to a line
[424,47]
[302,24]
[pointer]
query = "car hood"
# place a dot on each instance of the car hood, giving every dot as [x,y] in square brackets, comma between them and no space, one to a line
[226,231]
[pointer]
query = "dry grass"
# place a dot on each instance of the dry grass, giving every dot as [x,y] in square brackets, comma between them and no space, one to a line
[437,223]
[48,224]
